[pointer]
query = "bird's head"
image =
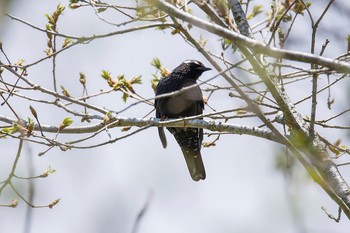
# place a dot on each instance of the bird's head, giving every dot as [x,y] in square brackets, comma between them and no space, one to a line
[191,68]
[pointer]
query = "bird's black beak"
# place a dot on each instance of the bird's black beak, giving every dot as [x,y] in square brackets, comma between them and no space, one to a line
[205,69]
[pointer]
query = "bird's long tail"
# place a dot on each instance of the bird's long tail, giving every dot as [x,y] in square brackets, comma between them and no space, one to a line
[162,136]
[190,144]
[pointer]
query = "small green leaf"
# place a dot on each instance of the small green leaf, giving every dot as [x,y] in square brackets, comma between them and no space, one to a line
[48,27]
[65,92]
[225,44]
[334,149]
[82,78]
[221,7]
[121,78]
[101,9]
[154,81]
[48,51]
[65,123]
[8,130]
[256,10]
[49,18]
[106,75]
[66,42]
[60,8]
[299,7]
[241,112]
[136,80]
[125,97]
[156,63]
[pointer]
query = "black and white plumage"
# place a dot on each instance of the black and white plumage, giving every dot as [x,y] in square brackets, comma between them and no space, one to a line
[184,104]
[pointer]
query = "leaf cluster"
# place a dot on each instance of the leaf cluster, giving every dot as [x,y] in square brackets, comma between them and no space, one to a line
[160,69]
[51,26]
[121,83]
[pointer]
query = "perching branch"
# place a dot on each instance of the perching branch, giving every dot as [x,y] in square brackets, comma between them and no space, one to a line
[140,122]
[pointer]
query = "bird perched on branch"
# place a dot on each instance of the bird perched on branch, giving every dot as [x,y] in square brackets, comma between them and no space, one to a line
[185,103]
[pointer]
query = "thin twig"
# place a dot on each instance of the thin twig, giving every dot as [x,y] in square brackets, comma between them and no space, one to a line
[142,212]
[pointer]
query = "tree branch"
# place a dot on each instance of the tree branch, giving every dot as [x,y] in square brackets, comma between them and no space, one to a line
[330,178]
[254,45]
[240,18]
[155,122]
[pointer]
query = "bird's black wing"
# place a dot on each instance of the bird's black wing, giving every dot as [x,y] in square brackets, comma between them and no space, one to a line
[164,86]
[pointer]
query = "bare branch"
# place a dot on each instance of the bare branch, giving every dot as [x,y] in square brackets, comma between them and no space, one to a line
[139,122]
[255,45]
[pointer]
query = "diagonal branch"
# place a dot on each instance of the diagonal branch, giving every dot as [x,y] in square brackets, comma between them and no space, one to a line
[329,177]
[304,138]
[240,18]
[254,45]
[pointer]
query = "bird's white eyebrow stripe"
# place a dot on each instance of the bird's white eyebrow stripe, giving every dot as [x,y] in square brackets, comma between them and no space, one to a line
[192,61]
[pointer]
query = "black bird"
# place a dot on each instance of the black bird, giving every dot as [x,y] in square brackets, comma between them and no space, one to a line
[184,104]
